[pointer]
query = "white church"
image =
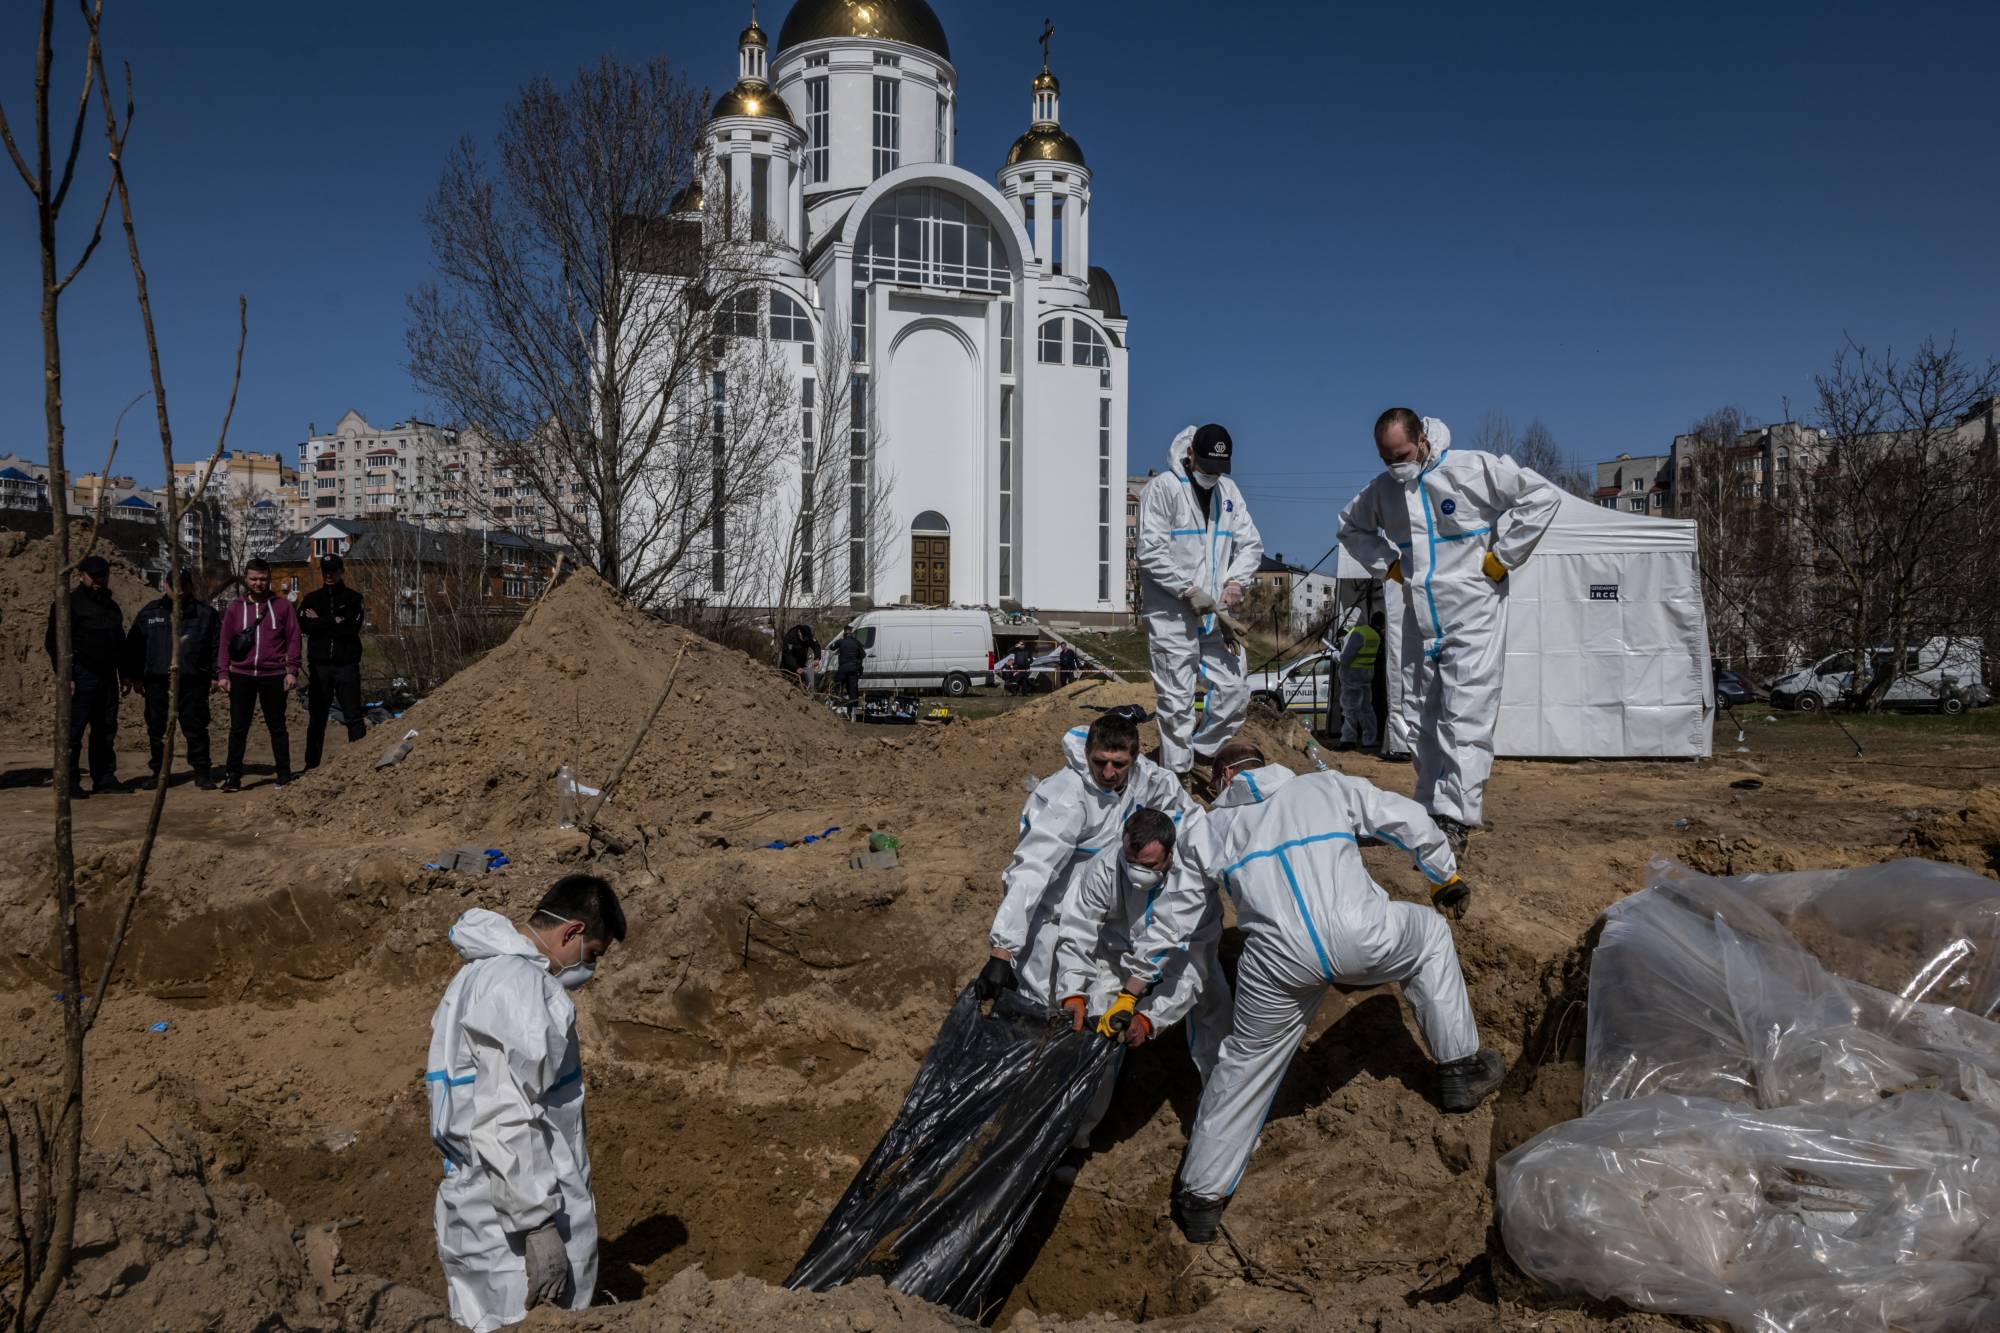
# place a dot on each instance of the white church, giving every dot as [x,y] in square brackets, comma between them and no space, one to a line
[991,352]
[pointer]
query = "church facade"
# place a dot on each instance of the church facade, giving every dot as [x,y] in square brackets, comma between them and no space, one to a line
[986,382]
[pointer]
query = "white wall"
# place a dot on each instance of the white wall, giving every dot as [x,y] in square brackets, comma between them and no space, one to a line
[930,378]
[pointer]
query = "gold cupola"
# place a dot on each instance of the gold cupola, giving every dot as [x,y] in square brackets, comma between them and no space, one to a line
[753,94]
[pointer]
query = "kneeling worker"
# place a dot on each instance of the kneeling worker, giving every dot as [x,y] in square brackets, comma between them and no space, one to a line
[1110,903]
[516,1220]
[1313,919]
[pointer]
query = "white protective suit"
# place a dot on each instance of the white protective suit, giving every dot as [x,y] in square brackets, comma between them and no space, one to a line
[1357,689]
[1067,820]
[1180,549]
[1441,525]
[1311,918]
[1099,918]
[506,1089]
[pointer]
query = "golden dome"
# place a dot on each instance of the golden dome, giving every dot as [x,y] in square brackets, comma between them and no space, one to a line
[754,99]
[908,21]
[1045,82]
[752,36]
[687,199]
[1045,143]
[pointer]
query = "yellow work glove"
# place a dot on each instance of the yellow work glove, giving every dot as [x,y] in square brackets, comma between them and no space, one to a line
[1494,569]
[1452,897]
[1118,1016]
[1396,570]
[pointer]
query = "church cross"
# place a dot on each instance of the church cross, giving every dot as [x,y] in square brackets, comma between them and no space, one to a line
[1048,31]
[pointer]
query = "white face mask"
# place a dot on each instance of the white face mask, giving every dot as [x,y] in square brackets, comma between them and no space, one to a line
[1202,479]
[1406,472]
[1140,876]
[577,973]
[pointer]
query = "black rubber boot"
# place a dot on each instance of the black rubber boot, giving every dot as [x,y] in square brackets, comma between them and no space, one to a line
[1455,833]
[1463,1084]
[1199,1219]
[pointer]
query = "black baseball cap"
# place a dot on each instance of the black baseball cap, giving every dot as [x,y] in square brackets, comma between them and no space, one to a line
[94,565]
[331,563]
[1212,448]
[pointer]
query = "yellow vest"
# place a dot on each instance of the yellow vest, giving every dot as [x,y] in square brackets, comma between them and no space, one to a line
[1371,648]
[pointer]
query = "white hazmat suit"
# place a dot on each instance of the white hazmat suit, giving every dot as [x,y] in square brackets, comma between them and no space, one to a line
[1311,918]
[1441,525]
[1181,548]
[1102,914]
[1067,820]
[506,1090]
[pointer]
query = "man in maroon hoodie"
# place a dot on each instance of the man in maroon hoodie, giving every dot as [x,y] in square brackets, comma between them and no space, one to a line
[257,661]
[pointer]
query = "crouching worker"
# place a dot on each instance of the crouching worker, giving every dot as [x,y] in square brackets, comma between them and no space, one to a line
[516,1221]
[1073,815]
[1313,919]
[1109,904]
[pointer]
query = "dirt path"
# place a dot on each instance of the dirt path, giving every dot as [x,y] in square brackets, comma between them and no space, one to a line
[751,1042]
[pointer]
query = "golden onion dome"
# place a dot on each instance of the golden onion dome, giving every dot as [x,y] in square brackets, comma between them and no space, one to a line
[687,199]
[752,36]
[909,21]
[750,98]
[1045,82]
[1045,143]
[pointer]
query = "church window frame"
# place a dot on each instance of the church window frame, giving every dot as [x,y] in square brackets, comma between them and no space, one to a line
[1006,492]
[923,236]
[819,129]
[888,124]
[1049,342]
[1103,499]
[789,321]
[857,486]
[760,198]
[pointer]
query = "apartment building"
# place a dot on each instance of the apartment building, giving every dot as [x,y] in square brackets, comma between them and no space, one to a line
[1635,485]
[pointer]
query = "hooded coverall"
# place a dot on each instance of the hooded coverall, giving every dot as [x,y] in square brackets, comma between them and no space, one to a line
[1181,548]
[1311,919]
[1097,921]
[1441,526]
[506,1089]
[1067,820]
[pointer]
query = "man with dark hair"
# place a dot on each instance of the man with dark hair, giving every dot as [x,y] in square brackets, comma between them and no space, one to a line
[257,661]
[1448,525]
[516,1219]
[801,653]
[330,617]
[1108,904]
[149,662]
[97,640]
[1072,816]
[848,655]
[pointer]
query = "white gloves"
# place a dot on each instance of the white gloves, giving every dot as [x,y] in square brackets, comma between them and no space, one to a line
[548,1266]
[1198,597]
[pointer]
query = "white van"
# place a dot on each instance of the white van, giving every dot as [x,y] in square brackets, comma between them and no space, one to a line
[920,648]
[1304,686]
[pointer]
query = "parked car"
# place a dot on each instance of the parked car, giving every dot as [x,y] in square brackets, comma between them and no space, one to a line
[921,648]
[1303,686]
[1733,689]
[1942,675]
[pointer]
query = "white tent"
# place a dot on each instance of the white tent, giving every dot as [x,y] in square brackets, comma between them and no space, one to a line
[1607,643]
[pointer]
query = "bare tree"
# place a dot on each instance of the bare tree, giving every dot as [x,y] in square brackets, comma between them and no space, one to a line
[573,322]
[43,1225]
[1533,447]
[1898,513]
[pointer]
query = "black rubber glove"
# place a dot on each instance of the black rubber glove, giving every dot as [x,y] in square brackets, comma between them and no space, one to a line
[1452,897]
[996,976]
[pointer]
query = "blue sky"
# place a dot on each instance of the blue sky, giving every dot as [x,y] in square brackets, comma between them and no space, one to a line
[1611,217]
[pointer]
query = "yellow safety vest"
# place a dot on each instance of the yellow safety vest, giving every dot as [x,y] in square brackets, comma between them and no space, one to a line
[1371,648]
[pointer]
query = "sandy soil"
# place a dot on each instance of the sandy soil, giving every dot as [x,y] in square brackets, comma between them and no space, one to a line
[754,1037]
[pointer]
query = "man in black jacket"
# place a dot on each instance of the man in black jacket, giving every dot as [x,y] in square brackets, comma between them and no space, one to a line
[97,640]
[330,617]
[149,657]
[848,655]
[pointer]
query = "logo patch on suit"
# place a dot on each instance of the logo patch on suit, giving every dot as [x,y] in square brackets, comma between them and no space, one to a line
[1603,592]
[1229,506]
[1449,507]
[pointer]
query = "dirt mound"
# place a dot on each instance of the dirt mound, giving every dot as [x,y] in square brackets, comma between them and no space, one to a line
[27,566]
[158,1245]
[570,686]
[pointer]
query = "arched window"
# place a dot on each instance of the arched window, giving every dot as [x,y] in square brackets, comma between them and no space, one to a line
[930,521]
[737,316]
[1049,348]
[1087,348]
[788,320]
[930,237]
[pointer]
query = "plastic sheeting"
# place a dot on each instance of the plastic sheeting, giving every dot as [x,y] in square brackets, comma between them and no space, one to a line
[1771,1141]
[939,1203]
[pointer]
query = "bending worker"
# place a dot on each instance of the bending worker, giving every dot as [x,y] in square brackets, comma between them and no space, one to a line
[1358,656]
[516,1220]
[1110,902]
[1074,814]
[1457,522]
[1312,919]
[1198,553]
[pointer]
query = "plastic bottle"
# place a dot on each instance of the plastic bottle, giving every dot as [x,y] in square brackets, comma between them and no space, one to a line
[565,798]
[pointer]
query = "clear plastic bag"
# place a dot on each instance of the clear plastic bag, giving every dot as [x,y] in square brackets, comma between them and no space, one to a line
[1767,1141]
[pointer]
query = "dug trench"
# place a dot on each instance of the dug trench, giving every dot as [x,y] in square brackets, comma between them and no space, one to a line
[750,1042]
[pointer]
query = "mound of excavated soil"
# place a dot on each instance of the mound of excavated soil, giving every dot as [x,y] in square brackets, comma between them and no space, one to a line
[27,686]
[570,686]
